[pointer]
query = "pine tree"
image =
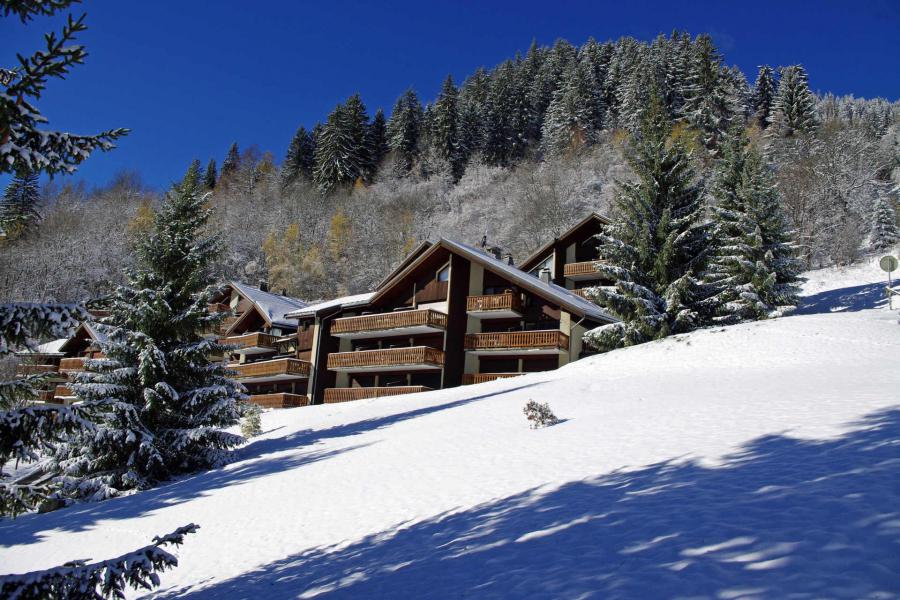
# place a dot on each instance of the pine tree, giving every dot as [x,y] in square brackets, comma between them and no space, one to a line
[210,176]
[232,161]
[753,268]
[764,92]
[501,142]
[300,159]
[342,149]
[572,119]
[707,106]
[377,142]
[18,208]
[794,109]
[23,147]
[404,130]
[884,233]
[159,404]
[656,247]
[443,134]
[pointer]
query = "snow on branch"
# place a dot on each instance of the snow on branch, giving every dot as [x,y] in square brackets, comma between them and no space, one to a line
[80,580]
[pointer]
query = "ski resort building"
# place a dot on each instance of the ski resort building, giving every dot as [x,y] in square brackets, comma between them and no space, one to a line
[450,314]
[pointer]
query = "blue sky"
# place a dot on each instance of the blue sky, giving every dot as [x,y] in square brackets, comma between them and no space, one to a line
[189,77]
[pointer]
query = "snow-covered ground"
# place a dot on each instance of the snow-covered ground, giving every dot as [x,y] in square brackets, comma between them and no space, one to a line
[755,461]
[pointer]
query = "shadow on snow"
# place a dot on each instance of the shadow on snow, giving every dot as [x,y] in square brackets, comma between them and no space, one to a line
[249,462]
[781,518]
[848,299]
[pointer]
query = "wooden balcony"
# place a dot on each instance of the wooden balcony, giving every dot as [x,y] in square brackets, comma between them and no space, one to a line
[70,366]
[582,271]
[279,369]
[47,396]
[551,341]
[581,293]
[218,307]
[225,324]
[63,392]
[407,322]
[495,306]
[472,378]
[279,400]
[417,358]
[252,343]
[333,395]
[24,370]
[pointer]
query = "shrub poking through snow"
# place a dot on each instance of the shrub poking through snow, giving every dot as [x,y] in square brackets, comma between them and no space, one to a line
[251,425]
[80,580]
[539,415]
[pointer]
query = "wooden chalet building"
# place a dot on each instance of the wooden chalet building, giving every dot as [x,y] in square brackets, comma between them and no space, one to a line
[569,259]
[450,314]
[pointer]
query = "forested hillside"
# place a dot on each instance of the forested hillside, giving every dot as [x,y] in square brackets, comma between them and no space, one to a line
[517,153]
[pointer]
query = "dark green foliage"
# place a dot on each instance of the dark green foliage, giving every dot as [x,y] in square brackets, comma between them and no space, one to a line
[232,161]
[210,176]
[404,130]
[300,159]
[573,120]
[707,106]
[794,109]
[158,402]
[377,141]
[656,246]
[18,208]
[764,92]
[753,267]
[343,154]
[443,129]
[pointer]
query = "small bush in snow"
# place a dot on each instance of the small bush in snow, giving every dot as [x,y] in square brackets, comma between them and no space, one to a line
[539,415]
[251,425]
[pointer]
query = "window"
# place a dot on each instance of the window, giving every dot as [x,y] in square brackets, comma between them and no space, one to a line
[444,273]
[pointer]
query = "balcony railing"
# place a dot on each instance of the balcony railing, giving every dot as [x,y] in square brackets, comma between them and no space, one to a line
[333,395]
[471,378]
[279,400]
[24,370]
[385,322]
[261,341]
[502,303]
[416,356]
[218,307]
[582,270]
[280,368]
[63,391]
[513,340]
[69,366]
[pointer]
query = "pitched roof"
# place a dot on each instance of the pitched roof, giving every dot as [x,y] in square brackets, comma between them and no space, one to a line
[532,261]
[52,347]
[273,307]
[343,302]
[416,252]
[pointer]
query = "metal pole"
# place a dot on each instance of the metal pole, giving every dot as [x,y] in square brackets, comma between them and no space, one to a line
[890,293]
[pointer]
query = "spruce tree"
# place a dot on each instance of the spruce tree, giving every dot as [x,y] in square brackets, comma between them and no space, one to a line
[377,141]
[764,92]
[794,109]
[707,106]
[884,235]
[443,134]
[572,120]
[753,268]
[656,247]
[342,150]
[300,158]
[210,176]
[500,142]
[232,161]
[404,130]
[159,404]
[18,208]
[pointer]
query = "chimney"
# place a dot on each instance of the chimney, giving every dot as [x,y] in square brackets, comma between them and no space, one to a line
[263,285]
[545,276]
[509,259]
[496,252]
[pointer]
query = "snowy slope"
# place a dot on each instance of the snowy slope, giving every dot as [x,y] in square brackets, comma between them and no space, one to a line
[756,461]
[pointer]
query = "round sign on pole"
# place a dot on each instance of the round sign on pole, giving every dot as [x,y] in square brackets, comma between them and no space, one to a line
[889,263]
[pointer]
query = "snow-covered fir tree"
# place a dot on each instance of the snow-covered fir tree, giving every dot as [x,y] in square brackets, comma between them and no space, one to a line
[572,120]
[158,402]
[300,158]
[707,105]
[404,130]
[794,108]
[18,207]
[764,92]
[884,234]
[342,150]
[443,130]
[377,141]
[656,247]
[753,268]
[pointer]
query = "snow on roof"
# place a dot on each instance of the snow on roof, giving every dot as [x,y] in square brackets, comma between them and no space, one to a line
[95,332]
[45,348]
[274,306]
[344,302]
[552,291]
